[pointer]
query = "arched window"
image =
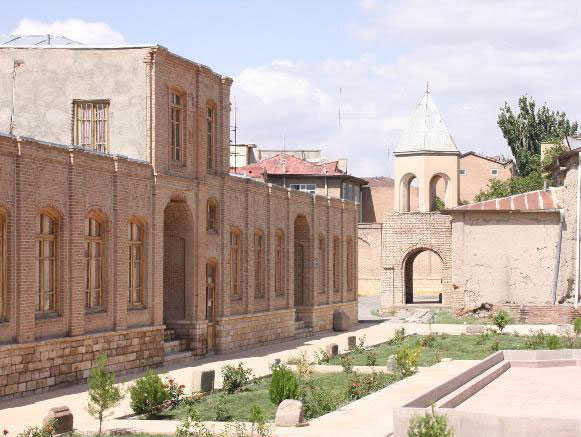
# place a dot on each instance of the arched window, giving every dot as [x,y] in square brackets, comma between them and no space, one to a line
[211,135]
[93,263]
[3,312]
[259,263]
[235,277]
[322,265]
[336,265]
[176,127]
[212,216]
[135,263]
[349,250]
[279,263]
[45,271]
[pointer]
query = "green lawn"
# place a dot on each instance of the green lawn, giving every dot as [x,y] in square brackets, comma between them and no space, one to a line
[239,404]
[458,347]
[447,317]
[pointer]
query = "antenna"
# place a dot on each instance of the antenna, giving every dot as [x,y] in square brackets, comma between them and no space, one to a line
[340,93]
[427,87]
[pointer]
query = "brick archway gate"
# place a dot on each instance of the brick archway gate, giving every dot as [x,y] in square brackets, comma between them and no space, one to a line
[404,236]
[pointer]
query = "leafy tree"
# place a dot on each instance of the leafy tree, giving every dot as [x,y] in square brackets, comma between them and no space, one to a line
[527,129]
[103,393]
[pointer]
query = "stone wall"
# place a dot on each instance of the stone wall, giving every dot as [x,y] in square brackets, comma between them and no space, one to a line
[38,367]
[370,251]
[320,318]
[522,313]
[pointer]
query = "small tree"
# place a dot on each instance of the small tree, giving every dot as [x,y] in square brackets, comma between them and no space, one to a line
[577,326]
[103,393]
[501,319]
[430,425]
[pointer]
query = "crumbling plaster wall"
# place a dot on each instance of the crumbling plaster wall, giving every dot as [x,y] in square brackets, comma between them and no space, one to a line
[500,257]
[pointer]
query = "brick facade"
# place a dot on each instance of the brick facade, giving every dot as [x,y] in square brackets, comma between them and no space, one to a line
[169,200]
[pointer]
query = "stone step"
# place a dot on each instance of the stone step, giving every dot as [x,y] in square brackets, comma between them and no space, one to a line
[299,324]
[169,335]
[177,357]
[174,346]
[304,332]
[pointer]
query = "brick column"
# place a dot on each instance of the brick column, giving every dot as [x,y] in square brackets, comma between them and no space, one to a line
[76,246]
[120,278]
[248,265]
[223,292]
[329,258]
[155,266]
[270,243]
[343,252]
[24,222]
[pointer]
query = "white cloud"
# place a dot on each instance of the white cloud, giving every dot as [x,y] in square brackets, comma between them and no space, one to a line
[476,55]
[82,31]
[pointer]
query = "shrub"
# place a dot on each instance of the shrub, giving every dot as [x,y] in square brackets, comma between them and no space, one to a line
[35,431]
[304,368]
[371,358]
[537,339]
[577,326]
[362,385]
[103,393]
[360,347]
[317,401]
[495,346]
[399,336]
[148,394]
[222,411]
[175,392]
[430,425]
[429,341]
[192,426]
[553,342]
[322,357]
[258,420]
[284,385]
[236,378]
[501,319]
[406,361]
[347,363]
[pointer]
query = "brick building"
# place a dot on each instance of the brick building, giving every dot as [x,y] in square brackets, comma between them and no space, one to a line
[129,228]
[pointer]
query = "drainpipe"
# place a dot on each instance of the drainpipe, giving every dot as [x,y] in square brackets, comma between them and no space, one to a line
[558,255]
[577,235]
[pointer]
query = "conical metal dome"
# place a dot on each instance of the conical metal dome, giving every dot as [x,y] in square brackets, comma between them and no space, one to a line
[427,131]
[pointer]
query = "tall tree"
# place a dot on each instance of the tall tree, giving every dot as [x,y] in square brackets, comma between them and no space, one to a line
[526,130]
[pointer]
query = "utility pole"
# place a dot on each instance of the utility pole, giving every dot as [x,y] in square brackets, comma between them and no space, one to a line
[17,63]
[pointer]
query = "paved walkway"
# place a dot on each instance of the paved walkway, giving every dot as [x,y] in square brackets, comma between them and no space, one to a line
[373,412]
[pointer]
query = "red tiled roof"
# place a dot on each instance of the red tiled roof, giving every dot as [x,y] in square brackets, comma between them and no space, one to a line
[289,165]
[532,201]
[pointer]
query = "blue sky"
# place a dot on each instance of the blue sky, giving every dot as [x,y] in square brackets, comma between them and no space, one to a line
[289,59]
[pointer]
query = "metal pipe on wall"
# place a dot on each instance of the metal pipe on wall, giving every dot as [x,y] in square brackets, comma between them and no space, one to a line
[577,235]
[558,255]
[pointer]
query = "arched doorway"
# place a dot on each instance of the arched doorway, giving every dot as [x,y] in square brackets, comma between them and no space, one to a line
[439,197]
[409,193]
[423,277]
[302,260]
[177,238]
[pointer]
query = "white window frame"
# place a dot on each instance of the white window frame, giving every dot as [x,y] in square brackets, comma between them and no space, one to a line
[307,188]
[494,172]
[463,172]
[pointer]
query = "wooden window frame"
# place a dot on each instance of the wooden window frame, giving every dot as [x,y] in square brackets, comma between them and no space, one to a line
[259,290]
[279,286]
[211,288]
[212,222]
[176,124]
[134,247]
[91,241]
[322,265]
[211,136]
[41,239]
[235,264]
[77,121]
[336,265]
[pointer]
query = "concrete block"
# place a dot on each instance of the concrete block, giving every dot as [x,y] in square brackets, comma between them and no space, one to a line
[203,381]
[62,419]
[332,349]
[289,413]
[351,342]
[341,321]
[474,329]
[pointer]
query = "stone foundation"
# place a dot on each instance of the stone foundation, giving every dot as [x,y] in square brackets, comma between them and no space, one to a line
[44,365]
[320,318]
[236,333]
